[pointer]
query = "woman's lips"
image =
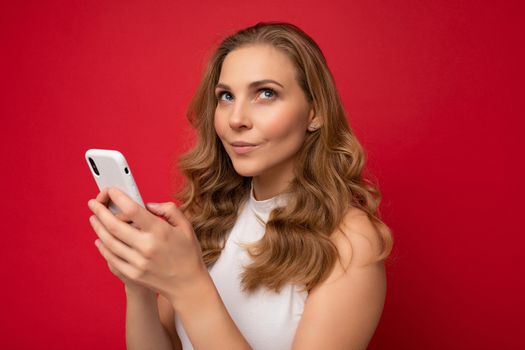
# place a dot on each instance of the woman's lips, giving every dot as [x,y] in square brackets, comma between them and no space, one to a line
[243,149]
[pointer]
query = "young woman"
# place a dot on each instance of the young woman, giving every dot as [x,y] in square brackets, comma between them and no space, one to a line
[278,242]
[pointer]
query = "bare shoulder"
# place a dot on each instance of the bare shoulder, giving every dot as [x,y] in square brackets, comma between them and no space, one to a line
[343,311]
[187,214]
[357,239]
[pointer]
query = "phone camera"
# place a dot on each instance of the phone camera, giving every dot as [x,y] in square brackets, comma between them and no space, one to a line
[93,166]
[126,170]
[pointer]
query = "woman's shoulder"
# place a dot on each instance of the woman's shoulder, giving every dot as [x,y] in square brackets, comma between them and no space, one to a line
[186,214]
[357,239]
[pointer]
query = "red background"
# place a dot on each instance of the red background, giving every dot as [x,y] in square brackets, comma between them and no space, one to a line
[433,90]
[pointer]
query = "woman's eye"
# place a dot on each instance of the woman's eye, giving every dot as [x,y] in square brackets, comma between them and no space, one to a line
[222,93]
[268,96]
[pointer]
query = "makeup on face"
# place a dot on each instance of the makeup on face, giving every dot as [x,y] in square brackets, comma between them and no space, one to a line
[261,111]
[244,149]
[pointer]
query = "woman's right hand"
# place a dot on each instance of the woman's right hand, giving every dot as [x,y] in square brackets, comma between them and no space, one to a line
[131,286]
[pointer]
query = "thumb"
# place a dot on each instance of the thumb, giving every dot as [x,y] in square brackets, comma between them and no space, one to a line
[168,211]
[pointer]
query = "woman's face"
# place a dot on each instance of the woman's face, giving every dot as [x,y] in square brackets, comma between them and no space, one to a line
[260,103]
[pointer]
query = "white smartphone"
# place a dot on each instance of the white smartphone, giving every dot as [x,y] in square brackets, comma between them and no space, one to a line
[110,169]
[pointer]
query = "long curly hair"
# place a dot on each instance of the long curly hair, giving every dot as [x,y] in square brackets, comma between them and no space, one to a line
[296,247]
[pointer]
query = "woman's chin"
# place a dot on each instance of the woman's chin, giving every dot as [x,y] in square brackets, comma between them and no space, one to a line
[245,171]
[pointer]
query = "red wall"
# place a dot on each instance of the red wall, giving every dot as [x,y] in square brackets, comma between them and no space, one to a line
[432,89]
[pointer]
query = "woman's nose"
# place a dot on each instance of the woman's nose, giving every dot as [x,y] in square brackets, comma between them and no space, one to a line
[240,116]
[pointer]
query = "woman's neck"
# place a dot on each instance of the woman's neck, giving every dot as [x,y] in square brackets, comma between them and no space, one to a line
[271,183]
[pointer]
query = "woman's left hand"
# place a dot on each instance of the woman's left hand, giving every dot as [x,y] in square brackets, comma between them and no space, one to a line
[163,255]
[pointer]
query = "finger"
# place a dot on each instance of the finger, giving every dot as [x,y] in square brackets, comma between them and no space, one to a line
[131,209]
[169,211]
[112,268]
[123,217]
[117,247]
[103,196]
[117,228]
[120,265]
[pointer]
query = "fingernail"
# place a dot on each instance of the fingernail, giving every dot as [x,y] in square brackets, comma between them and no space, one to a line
[153,205]
[97,243]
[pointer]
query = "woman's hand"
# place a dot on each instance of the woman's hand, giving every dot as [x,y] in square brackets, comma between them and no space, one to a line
[130,285]
[160,253]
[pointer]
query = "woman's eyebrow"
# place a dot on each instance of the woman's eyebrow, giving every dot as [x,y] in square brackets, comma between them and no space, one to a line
[252,84]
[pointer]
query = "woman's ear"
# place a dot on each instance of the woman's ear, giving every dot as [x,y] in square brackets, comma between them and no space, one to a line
[314,121]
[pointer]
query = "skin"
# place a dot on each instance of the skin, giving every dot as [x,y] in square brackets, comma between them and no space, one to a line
[275,117]
[159,252]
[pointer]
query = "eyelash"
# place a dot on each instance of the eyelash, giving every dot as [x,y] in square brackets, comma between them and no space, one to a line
[220,93]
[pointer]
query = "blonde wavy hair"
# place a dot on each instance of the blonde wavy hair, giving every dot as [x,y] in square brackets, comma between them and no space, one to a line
[296,247]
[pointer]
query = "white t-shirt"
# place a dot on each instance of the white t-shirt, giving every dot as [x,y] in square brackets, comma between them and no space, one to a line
[267,320]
